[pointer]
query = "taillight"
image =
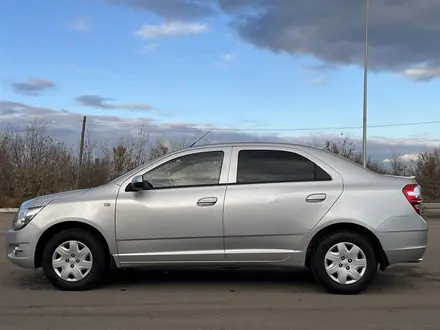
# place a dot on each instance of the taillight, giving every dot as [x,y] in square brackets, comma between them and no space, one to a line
[413,194]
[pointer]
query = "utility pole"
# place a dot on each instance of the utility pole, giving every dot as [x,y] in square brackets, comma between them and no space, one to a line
[81,150]
[364,135]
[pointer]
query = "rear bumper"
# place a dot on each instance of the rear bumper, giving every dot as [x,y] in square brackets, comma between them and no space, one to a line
[404,239]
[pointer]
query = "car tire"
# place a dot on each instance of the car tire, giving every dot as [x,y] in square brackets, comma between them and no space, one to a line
[332,263]
[82,271]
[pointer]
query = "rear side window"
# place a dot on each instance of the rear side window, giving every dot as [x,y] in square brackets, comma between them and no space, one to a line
[270,166]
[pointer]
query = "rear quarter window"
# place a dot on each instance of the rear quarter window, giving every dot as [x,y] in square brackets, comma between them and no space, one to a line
[271,166]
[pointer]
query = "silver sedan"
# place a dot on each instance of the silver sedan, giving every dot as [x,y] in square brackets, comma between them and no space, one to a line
[243,204]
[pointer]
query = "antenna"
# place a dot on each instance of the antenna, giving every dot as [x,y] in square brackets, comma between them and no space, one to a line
[192,145]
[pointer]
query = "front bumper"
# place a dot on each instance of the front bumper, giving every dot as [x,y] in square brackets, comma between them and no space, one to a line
[404,239]
[21,245]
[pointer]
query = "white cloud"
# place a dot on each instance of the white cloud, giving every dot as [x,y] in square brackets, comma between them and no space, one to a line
[170,29]
[150,48]
[321,72]
[225,59]
[228,57]
[407,158]
[80,23]
[318,81]
[422,73]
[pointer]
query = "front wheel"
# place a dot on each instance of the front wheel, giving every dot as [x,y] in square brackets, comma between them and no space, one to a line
[344,262]
[74,260]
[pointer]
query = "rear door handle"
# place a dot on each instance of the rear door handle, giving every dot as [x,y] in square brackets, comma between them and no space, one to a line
[316,198]
[207,201]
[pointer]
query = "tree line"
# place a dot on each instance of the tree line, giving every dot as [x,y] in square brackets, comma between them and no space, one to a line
[33,163]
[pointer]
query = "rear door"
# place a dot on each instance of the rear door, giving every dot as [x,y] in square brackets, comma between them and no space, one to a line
[275,196]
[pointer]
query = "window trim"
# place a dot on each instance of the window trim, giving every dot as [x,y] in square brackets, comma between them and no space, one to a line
[233,173]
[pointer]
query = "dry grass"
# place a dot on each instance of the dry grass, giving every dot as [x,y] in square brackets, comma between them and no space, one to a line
[33,163]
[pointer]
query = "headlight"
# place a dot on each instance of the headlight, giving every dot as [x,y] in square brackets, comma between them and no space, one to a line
[24,216]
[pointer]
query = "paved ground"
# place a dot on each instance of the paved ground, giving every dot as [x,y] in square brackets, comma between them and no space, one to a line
[404,297]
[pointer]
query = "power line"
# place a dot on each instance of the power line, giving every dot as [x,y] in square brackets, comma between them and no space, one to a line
[236,129]
[270,129]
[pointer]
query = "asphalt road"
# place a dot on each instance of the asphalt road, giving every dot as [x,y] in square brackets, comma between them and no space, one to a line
[404,297]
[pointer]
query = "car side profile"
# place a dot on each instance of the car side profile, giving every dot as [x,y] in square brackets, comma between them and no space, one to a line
[238,204]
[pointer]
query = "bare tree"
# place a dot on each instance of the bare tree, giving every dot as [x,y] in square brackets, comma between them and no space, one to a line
[33,163]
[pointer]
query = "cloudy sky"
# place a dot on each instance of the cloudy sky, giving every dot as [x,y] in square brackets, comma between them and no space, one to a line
[247,69]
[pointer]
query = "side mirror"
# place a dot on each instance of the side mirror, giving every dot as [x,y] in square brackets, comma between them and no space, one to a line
[138,183]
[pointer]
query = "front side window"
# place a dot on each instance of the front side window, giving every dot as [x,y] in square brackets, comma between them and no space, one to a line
[198,169]
[265,166]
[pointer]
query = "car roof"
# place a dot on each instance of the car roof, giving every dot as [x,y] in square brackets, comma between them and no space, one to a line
[251,144]
[311,149]
[239,144]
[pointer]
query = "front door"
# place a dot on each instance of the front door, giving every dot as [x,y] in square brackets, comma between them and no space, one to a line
[180,217]
[275,197]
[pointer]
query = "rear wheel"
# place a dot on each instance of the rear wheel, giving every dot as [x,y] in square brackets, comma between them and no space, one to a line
[344,262]
[74,260]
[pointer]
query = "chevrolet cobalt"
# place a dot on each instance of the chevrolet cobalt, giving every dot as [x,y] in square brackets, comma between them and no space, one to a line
[242,204]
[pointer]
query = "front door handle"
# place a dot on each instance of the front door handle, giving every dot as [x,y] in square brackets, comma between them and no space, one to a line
[316,198]
[207,201]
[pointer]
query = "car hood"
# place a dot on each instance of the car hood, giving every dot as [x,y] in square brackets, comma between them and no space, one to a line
[46,199]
